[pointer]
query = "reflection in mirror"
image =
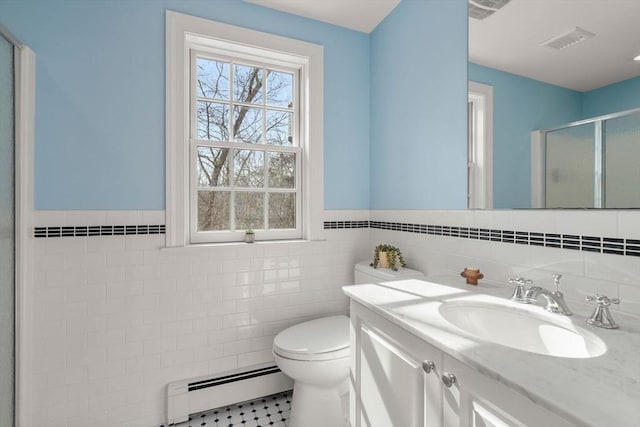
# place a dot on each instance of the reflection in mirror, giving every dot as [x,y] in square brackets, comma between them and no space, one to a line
[480,149]
[538,87]
[621,154]
[569,167]
[591,163]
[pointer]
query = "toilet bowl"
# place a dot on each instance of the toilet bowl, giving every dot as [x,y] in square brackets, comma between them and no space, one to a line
[315,354]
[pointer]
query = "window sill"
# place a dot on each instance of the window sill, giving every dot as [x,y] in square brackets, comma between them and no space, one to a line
[199,246]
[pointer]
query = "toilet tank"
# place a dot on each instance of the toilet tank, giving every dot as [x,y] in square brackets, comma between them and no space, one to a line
[364,273]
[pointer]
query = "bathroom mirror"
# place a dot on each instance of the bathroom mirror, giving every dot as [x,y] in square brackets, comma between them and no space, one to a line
[549,63]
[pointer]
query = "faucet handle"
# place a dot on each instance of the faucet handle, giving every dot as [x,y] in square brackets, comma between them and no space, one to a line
[603,300]
[520,289]
[601,316]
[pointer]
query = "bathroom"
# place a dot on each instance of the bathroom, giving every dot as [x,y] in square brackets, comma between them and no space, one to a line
[107,321]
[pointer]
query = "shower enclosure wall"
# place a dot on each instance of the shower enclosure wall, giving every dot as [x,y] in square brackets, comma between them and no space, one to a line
[592,163]
[17,135]
[7,230]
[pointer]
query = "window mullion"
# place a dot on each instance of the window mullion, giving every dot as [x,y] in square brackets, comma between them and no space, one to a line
[232,211]
[232,124]
[232,151]
[267,162]
[265,198]
[232,188]
[264,106]
[265,211]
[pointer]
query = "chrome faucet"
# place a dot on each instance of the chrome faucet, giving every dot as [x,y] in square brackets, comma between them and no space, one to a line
[601,317]
[528,295]
[554,300]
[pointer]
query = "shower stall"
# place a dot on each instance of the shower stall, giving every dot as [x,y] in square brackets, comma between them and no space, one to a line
[593,163]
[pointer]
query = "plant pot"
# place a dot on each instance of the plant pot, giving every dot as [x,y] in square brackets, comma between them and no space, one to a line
[249,238]
[383,260]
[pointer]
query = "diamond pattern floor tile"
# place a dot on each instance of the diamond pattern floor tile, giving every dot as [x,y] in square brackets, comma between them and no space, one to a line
[269,411]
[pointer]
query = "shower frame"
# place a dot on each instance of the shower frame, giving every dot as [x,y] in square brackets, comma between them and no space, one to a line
[24,143]
[539,156]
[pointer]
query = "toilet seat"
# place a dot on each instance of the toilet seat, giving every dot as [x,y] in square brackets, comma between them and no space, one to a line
[331,355]
[320,339]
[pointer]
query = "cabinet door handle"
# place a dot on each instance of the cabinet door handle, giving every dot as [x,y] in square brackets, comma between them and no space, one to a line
[428,366]
[448,379]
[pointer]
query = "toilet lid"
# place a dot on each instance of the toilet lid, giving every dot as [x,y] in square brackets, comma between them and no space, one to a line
[319,339]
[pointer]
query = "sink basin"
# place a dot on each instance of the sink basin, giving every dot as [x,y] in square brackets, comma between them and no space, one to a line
[525,328]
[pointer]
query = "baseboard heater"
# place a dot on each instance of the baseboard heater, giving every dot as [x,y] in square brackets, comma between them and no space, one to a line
[195,395]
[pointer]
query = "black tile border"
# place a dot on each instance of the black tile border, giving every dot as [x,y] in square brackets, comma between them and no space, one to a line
[606,245]
[98,230]
[338,225]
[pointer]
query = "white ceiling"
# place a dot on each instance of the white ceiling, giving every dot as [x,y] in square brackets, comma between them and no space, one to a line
[359,15]
[509,40]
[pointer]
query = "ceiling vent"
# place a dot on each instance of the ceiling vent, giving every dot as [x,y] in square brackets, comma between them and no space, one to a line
[569,38]
[480,9]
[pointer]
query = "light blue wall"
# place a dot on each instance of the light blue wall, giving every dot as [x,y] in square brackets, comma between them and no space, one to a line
[418,106]
[621,96]
[100,128]
[521,105]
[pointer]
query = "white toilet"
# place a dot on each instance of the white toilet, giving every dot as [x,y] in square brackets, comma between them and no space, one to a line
[315,354]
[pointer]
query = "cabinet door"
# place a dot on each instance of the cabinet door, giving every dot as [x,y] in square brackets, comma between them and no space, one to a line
[393,389]
[390,383]
[475,400]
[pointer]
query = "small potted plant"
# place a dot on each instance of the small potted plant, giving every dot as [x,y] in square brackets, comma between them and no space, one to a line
[387,256]
[249,235]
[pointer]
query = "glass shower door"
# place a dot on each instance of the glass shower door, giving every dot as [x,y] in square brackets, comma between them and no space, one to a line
[570,158]
[7,231]
[622,153]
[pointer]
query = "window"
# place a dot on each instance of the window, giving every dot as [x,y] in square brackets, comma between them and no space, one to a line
[244,120]
[480,146]
[245,149]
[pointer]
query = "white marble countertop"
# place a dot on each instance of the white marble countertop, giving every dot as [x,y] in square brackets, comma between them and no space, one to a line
[602,391]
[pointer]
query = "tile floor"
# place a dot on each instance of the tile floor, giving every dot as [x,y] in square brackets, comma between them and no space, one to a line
[269,411]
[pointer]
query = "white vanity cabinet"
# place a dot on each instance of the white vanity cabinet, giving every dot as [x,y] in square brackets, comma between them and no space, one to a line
[389,386]
[477,400]
[398,380]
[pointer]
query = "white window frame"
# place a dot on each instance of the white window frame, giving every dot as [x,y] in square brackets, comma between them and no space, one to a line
[183,33]
[237,234]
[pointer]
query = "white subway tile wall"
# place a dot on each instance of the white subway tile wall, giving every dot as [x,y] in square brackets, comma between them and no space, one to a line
[116,318]
[584,273]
